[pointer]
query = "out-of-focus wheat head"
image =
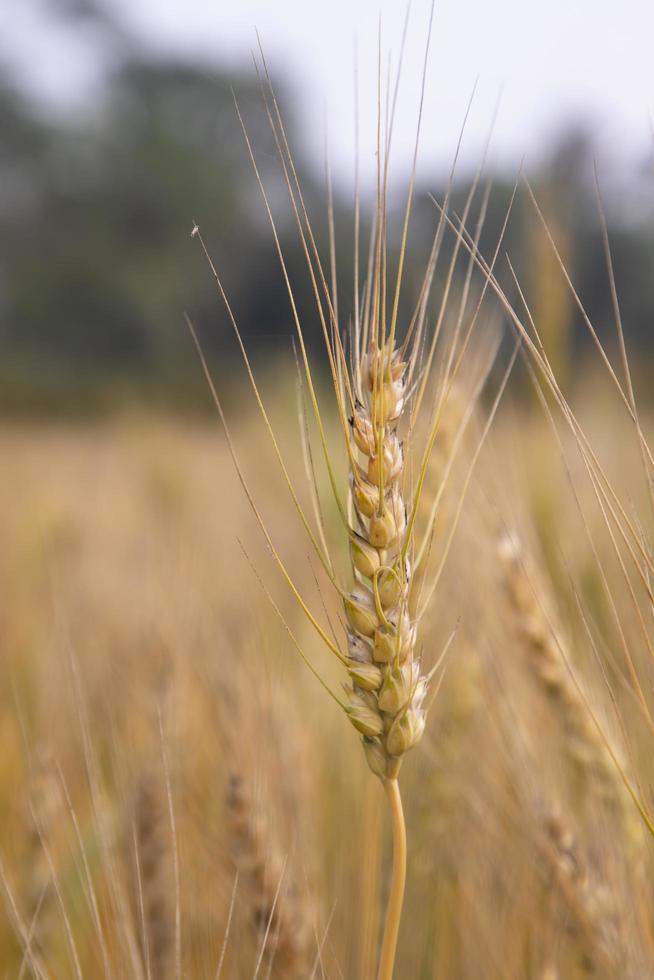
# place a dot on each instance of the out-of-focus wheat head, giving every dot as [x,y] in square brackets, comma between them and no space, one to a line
[596,761]
[277,912]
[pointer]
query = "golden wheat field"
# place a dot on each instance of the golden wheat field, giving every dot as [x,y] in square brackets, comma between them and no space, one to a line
[333,660]
[351,679]
[180,798]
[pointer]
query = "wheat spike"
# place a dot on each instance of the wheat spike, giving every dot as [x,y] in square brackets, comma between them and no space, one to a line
[154,886]
[388,690]
[599,926]
[584,746]
[277,916]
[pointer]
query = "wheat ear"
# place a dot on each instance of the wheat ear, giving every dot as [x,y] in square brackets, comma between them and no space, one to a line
[153,877]
[585,748]
[597,915]
[385,698]
[277,916]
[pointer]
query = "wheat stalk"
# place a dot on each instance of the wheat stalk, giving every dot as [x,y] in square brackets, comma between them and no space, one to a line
[391,379]
[387,693]
[385,698]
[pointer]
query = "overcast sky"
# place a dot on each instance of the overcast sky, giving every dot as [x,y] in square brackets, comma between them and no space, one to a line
[554,61]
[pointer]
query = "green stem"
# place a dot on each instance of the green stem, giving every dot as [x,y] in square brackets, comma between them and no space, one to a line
[398,878]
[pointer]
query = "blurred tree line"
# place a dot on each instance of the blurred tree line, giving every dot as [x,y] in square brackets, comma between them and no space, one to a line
[96,261]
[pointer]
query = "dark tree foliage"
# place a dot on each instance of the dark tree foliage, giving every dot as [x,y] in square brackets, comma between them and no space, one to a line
[96,262]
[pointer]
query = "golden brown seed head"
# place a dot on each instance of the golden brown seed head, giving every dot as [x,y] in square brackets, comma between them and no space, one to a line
[385,702]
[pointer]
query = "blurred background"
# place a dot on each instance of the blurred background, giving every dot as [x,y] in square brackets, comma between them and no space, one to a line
[119,131]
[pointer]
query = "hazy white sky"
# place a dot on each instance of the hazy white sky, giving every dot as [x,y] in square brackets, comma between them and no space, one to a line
[554,61]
